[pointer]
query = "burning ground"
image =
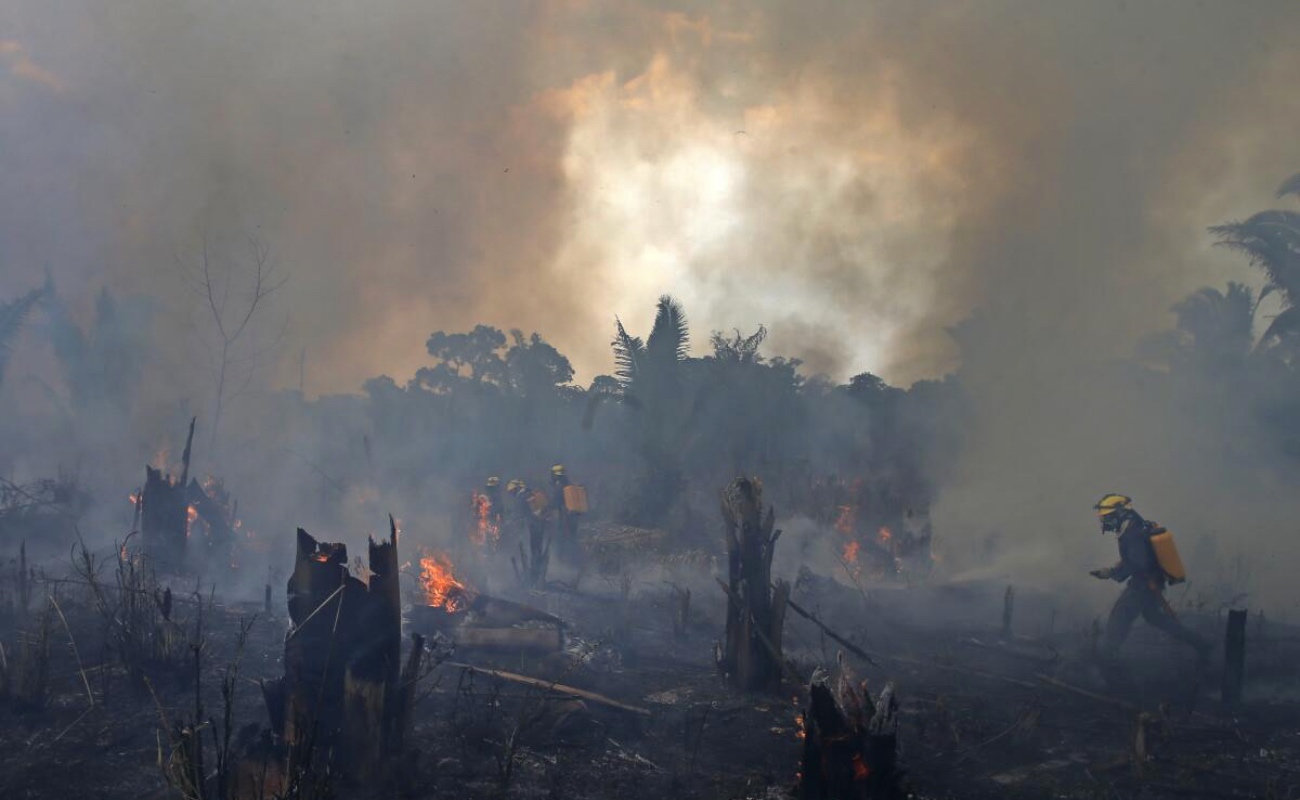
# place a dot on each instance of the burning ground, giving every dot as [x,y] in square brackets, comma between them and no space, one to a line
[996,700]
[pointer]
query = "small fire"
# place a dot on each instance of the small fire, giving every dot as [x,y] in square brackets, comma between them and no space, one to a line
[135,498]
[884,535]
[441,588]
[800,722]
[487,531]
[191,514]
[851,551]
[860,770]
[846,519]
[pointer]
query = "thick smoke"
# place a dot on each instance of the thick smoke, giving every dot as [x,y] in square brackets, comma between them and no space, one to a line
[859,178]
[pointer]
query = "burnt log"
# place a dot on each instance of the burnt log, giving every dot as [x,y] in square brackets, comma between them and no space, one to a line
[751,656]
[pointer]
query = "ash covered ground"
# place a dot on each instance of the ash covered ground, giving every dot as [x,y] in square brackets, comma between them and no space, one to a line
[986,711]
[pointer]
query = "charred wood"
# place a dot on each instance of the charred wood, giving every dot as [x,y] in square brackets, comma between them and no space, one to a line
[751,655]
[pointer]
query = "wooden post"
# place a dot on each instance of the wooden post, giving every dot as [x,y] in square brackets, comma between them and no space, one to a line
[751,658]
[681,611]
[1008,609]
[1234,657]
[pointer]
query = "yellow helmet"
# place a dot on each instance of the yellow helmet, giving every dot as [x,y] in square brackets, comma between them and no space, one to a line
[515,486]
[1112,503]
[558,469]
[494,481]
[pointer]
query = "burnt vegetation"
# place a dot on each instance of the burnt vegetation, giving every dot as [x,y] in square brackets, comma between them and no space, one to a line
[749,607]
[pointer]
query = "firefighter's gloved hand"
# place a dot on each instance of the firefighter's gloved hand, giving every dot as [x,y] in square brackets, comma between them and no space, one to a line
[1102,574]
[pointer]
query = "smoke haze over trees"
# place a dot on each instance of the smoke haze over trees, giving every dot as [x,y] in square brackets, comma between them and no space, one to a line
[1002,206]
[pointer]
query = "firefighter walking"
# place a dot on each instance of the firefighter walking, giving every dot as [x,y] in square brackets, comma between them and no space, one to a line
[1147,561]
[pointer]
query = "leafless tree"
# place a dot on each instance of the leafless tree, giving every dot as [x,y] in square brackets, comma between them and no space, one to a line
[238,347]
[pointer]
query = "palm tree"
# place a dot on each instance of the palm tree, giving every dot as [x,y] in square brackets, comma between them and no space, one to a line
[651,367]
[1271,240]
[650,379]
[1217,329]
[12,315]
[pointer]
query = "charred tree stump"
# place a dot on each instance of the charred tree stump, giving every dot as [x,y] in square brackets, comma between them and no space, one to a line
[751,656]
[401,719]
[219,541]
[1234,657]
[850,745]
[341,691]
[163,509]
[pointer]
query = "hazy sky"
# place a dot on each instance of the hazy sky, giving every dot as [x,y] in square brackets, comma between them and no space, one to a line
[856,176]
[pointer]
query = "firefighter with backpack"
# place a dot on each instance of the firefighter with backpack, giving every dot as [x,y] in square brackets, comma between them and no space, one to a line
[569,502]
[1148,561]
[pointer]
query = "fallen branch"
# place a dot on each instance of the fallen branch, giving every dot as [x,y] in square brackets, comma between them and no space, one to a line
[90,697]
[1048,679]
[852,648]
[558,688]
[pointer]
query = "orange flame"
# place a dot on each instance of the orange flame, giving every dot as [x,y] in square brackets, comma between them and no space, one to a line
[884,535]
[191,514]
[135,498]
[851,552]
[860,770]
[441,588]
[487,530]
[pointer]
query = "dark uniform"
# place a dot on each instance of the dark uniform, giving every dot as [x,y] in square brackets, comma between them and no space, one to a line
[566,524]
[1144,595]
[496,507]
[539,548]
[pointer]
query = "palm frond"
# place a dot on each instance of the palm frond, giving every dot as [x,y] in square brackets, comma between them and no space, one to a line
[1290,186]
[669,337]
[1285,324]
[1271,240]
[740,348]
[12,315]
[628,353]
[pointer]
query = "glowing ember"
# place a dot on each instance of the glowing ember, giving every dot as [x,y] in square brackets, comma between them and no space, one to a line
[441,588]
[191,514]
[135,498]
[884,535]
[860,770]
[486,532]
